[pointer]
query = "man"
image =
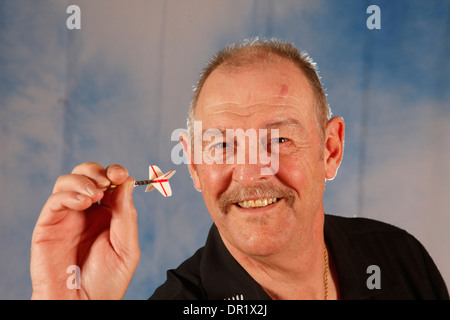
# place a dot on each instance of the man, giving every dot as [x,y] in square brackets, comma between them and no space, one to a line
[270,238]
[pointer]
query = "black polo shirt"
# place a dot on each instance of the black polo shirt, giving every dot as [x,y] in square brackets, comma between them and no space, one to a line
[406,270]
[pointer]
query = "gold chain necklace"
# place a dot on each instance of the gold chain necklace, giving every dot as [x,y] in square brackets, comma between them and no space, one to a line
[325,273]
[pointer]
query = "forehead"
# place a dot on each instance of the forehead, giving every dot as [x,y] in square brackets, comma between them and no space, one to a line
[262,91]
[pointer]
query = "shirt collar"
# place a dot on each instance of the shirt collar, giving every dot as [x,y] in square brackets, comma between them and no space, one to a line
[222,276]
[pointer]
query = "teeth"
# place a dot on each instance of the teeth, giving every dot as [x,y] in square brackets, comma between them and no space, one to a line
[257,203]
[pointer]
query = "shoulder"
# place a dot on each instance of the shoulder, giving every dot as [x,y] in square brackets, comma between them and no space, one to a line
[373,238]
[211,273]
[183,283]
[368,231]
[404,262]
[360,225]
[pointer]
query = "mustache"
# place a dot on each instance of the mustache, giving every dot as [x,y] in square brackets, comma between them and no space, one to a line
[266,190]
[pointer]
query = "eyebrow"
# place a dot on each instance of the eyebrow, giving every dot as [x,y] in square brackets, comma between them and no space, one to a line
[276,124]
[286,122]
[212,131]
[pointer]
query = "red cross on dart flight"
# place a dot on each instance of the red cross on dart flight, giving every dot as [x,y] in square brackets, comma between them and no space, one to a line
[158,180]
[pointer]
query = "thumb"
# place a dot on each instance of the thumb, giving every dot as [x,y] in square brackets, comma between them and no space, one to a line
[123,197]
[123,228]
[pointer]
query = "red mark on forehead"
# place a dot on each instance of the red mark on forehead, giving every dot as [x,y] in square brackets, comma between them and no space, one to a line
[284,90]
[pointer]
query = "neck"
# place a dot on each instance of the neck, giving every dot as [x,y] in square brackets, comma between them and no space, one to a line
[296,272]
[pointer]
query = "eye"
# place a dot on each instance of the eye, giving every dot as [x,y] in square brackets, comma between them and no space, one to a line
[220,145]
[280,140]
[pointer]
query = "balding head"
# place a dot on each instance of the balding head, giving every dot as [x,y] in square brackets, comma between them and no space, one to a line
[257,51]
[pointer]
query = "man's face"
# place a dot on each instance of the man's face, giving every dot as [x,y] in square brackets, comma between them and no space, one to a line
[273,95]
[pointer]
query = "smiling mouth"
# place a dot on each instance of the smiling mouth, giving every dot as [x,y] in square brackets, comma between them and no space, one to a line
[258,203]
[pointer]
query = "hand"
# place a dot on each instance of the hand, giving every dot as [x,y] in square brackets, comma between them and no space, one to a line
[75,229]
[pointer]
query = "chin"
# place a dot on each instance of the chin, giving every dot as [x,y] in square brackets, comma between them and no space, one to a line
[257,239]
[257,232]
[260,247]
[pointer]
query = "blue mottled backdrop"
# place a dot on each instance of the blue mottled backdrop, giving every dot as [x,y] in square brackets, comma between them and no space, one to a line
[115,90]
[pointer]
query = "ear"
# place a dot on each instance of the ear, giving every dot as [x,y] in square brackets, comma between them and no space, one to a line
[334,146]
[185,140]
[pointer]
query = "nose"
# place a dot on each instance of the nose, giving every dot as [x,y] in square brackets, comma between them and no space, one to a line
[252,170]
[248,174]
[252,164]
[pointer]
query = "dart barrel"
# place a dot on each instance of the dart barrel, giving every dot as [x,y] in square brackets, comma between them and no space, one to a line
[136,183]
[142,182]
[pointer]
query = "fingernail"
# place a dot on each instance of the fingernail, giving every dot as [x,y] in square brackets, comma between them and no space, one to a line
[81,197]
[116,168]
[130,188]
[91,189]
[102,182]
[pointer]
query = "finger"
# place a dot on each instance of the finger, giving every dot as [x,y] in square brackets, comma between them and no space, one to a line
[77,183]
[68,200]
[57,203]
[93,171]
[116,174]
